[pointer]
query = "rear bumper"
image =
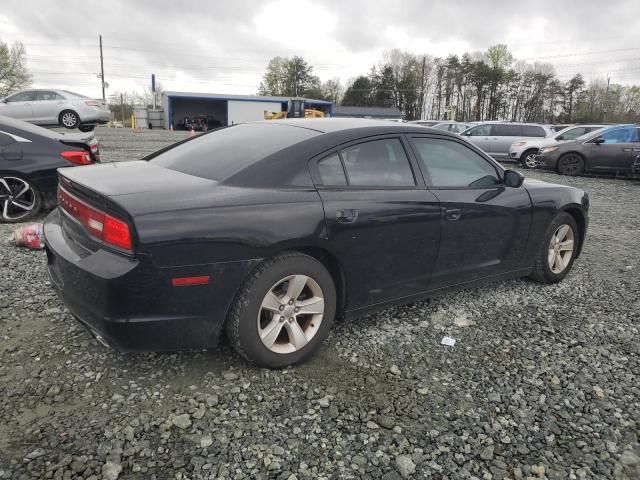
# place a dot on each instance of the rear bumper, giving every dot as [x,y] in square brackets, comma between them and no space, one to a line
[94,115]
[130,303]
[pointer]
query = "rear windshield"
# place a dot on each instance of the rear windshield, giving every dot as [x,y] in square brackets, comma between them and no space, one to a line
[222,153]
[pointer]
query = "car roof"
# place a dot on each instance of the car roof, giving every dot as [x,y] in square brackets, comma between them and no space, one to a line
[330,125]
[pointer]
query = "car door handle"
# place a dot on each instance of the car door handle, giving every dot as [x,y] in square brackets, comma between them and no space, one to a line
[348,215]
[452,214]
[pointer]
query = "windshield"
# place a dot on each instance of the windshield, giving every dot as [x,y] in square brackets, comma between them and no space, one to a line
[221,153]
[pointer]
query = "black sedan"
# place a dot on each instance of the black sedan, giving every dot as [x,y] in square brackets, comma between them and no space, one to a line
[614,149]
[29,159]
[271,230]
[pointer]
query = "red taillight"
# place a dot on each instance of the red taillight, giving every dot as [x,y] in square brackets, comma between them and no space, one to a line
[99,225]
[78,157]
[116,232]
[93,103]
[188,281]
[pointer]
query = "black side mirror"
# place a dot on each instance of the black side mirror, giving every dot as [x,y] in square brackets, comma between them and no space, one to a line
[513,179]
[599,141]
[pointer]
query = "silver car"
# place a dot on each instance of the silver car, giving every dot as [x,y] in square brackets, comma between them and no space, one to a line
[56,107]
[454,127]
[526,151]
[495,138]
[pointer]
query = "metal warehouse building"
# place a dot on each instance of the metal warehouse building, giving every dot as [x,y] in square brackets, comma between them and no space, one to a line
[227,109]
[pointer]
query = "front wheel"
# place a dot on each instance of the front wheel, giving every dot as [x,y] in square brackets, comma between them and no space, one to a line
[529,159]
[571,164]
[558,250]
[19,200]
[86,128]
[283,312]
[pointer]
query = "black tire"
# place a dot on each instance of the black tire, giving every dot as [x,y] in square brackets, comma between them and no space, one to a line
[86,128]
[542,270]
[69,119]
[570,164]
[32,197]
[242,322]
[527,159]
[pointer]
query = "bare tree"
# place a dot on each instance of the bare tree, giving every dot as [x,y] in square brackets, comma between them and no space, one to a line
[13,68]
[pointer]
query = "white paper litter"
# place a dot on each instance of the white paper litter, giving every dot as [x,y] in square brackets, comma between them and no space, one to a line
[450,342]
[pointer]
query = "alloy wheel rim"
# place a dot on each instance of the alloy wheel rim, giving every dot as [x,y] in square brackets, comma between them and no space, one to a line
[290,314]
[531,160]
[69,119]
[571,164]
[560,249]
[16,197]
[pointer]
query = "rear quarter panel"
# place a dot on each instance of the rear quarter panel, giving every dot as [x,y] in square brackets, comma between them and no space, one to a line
[235,231]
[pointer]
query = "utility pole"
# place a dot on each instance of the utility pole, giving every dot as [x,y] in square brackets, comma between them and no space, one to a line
[606,100]
[102,69]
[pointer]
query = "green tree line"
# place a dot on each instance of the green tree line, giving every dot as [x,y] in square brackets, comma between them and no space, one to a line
[490,85]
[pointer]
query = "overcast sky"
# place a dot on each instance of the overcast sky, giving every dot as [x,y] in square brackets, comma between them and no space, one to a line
[224,46]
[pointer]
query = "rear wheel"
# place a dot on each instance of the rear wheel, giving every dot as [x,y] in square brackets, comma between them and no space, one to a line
[529,159]
[558,250]
[571,164]
[69,119]
[19,200]
[283,312]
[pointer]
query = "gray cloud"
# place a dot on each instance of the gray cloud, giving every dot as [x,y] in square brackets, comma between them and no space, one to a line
[216,45]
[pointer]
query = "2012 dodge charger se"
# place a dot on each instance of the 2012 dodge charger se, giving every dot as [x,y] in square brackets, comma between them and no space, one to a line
[270,230]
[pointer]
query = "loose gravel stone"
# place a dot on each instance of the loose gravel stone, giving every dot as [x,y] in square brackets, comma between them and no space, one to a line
[542,379]
[405,465]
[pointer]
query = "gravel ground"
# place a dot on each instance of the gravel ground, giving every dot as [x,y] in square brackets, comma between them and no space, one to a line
[543,381]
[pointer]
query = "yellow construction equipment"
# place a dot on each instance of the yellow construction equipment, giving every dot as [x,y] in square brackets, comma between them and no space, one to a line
[295,109]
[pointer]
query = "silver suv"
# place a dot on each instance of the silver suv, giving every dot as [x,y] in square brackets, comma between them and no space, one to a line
[495,138]
[56,107]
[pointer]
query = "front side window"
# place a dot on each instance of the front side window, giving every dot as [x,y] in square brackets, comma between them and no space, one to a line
[620,135]
[479,131]
[379,163]
[22,97]
[442,126]
[451,164]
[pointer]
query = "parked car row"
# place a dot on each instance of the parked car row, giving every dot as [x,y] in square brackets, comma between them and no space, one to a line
[56,108]
[29,159]
[571,151]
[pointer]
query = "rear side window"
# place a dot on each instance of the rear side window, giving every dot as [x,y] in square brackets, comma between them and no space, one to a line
[222,153]
[44,95]
[533,131]
[451,164]
[331,171]
[379,163]
[506,130]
